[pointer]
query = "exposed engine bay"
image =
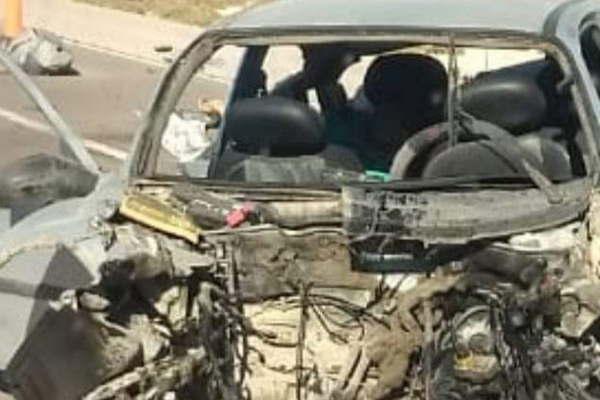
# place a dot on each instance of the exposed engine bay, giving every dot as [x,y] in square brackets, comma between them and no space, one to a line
[240,309]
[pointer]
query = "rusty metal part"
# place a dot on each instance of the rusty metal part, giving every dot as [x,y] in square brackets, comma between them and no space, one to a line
[390,350]
[425,290]
[477,368]
[593,218]
[355,383]
[428,346]
[580,308]
[302,213]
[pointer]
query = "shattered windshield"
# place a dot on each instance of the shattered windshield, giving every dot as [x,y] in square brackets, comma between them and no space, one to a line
[339,113]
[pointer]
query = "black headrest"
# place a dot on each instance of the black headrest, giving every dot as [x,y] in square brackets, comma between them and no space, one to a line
[512,101]
[406,79]
[275,126]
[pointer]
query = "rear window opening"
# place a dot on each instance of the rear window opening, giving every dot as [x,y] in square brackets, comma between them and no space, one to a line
[331,114]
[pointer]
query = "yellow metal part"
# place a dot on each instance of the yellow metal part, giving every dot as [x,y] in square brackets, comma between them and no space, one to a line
[160,215]
[476,367]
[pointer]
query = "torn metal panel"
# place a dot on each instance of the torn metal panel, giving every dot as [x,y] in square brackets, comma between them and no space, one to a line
[273,263]
[40,180]
[72,349]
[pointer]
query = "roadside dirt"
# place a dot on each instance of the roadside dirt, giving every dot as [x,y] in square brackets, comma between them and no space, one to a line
[199,12]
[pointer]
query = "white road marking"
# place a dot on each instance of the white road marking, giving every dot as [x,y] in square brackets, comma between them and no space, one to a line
[104,149]
[27,123]
[92,145]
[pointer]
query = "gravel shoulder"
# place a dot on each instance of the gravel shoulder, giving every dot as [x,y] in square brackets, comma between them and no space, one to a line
[197,12]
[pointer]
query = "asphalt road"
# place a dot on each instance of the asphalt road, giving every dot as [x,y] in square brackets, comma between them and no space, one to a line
[104,103]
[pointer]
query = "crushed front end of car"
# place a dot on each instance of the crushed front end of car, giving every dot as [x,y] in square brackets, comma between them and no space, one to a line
[435,236]
[203,295]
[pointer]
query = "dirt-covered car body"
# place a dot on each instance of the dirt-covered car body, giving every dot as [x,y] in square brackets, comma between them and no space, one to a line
[494,294]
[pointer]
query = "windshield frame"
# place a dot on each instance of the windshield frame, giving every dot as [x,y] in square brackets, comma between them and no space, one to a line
[144,158]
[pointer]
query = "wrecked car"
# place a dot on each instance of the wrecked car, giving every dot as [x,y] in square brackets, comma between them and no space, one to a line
[428,230]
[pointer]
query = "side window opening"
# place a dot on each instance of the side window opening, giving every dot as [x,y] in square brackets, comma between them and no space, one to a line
[189,140]
[280,63]
[590,52]
[283,67]
[590,48]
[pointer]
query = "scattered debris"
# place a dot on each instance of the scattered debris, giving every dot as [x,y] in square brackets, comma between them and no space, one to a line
[231,10]
[40,52]
[186,137]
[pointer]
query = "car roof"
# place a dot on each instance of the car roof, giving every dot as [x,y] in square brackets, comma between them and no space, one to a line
[528,16]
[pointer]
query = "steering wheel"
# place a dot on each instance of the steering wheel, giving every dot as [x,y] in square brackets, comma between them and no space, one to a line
[419,147]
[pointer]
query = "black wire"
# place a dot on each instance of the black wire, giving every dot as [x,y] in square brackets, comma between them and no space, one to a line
[215,371]
[339,324]
[320,314]
[239,326]
[223,312]
[238,321]
[354,310]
